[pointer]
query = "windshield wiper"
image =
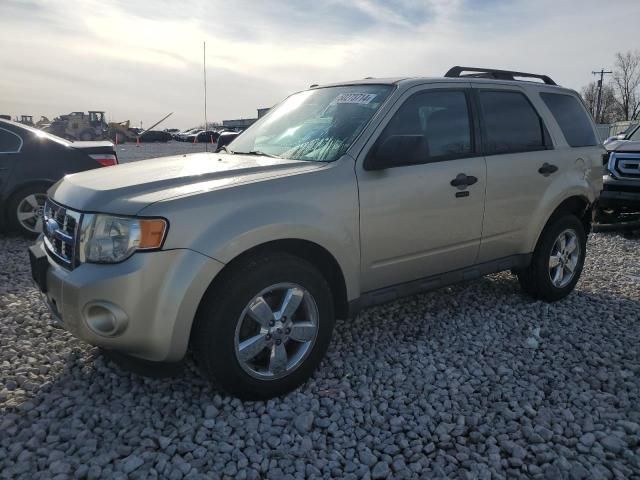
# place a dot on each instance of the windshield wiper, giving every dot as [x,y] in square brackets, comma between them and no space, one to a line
[254,152]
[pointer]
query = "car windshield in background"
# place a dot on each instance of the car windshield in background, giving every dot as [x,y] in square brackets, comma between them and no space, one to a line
[317,125]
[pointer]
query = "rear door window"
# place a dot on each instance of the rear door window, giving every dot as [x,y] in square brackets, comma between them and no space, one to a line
[9,142]
[572,119]
[511,123]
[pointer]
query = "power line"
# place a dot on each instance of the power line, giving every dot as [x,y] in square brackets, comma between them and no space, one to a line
[602,73]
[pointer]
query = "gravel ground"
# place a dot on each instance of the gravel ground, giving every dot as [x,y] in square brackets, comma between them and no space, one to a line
[473,381]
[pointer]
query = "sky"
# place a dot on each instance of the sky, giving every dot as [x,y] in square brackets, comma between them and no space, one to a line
[140,60]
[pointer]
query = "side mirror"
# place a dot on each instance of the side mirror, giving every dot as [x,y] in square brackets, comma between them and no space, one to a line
[620,136]
[393,151]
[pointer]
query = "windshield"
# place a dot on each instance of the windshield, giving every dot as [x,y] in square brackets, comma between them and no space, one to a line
[317,125]
[634,134]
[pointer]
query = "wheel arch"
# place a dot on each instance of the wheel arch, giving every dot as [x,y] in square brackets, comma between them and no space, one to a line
[579,205]
[315,254]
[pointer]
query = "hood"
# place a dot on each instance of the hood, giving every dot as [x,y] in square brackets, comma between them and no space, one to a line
[623,146]
[126,189]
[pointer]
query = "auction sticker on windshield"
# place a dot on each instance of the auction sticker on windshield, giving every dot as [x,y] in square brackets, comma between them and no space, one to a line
[360,98]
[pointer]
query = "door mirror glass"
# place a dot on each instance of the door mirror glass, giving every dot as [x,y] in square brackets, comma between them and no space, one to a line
[391,149]
[620,136]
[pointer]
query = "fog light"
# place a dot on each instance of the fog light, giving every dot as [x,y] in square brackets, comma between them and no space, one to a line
[105,319]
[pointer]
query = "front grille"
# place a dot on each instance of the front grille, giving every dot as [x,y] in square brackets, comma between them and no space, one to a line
[61,226]
[625,165]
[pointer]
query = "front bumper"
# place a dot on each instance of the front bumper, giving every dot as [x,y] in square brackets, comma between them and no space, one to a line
[153,296]
[620,193]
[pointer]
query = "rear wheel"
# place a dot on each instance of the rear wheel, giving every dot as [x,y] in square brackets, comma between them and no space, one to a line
[25,210]
[263,329]
[557,260]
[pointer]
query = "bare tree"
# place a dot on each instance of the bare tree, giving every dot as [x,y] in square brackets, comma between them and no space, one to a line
[626,81]
[610,110]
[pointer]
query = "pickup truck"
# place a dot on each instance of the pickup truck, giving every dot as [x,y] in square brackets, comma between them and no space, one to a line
[621,190]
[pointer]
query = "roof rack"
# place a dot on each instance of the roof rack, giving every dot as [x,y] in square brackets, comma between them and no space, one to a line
[456,72]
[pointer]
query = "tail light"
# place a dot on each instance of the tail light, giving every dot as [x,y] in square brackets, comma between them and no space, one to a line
[105,159]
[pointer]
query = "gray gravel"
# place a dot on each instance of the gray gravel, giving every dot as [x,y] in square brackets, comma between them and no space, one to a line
[473,381]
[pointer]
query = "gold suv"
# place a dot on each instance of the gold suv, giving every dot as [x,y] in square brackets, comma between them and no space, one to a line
[341,197]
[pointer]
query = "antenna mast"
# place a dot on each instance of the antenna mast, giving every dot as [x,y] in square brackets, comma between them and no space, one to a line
[204,64]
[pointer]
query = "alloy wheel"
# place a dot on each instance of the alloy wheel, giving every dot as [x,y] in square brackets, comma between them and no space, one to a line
[564,258]
[276,331]
[30,212]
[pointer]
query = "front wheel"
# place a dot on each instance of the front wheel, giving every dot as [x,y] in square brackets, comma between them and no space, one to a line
[263,329]
[557,260]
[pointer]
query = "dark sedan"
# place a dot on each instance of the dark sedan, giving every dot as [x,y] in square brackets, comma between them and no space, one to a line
[150,136]
[226,138]
[209,136]
[30,162]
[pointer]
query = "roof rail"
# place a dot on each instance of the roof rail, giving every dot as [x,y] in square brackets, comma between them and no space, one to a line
[456,72]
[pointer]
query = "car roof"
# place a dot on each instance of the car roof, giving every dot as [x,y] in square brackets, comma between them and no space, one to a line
[33,130]
[11,123]
[412,81]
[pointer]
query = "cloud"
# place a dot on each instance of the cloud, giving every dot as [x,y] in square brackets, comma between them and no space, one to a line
[140,60]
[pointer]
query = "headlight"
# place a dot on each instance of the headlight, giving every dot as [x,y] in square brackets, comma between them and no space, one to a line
[110,239]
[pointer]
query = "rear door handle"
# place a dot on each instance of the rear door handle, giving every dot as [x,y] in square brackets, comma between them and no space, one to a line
[462,181]
[547,169]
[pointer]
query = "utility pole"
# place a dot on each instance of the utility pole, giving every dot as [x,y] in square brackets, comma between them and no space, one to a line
[602,73]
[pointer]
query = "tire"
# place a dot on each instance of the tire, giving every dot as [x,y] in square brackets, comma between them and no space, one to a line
[540,279]
[25,210]
[222,326]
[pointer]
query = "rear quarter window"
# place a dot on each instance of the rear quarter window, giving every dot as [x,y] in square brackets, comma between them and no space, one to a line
[572,119]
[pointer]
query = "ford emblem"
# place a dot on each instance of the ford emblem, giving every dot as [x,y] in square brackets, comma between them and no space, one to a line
[51,226]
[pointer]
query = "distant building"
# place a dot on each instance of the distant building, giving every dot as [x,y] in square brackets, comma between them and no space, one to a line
[242,123]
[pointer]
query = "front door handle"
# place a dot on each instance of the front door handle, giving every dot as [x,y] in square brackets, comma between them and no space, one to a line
[462,181]
[547,169]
